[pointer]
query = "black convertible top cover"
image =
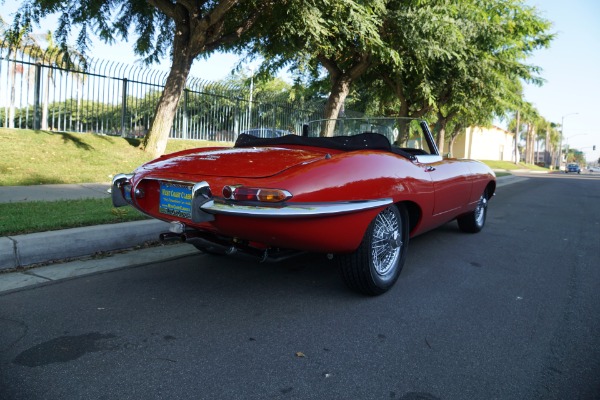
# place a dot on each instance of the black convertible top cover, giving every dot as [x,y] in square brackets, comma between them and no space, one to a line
[363,141]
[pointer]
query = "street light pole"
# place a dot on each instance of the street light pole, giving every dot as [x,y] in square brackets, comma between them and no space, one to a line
[562,135]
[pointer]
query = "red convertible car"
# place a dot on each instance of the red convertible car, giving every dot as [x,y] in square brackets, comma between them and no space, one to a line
[340,188]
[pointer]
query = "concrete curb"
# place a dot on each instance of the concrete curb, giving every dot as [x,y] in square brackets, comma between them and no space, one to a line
[57,272]
[34,248]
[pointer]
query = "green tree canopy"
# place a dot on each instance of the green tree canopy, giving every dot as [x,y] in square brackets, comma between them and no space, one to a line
[462,60]
[413,58]
[338,36]
[410,58]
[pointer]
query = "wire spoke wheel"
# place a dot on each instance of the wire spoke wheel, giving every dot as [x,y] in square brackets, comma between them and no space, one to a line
[474,221]
[375,266]
[480,211]
[386,242]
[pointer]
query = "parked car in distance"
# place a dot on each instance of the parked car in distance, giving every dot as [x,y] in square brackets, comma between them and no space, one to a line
[573,168]
[593,169]
[341,189]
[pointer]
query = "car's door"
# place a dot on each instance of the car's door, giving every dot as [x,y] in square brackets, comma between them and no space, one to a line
[451,182]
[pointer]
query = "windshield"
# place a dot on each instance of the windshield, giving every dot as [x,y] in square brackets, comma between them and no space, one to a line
[405,133]
[407,137]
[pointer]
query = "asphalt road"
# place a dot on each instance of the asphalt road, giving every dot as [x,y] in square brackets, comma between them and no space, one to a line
[510,313]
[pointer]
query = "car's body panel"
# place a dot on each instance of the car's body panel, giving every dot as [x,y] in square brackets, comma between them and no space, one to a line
[336,188]
[441,194]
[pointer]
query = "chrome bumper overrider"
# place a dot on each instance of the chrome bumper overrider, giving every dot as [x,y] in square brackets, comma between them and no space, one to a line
[117,190]
[205,206]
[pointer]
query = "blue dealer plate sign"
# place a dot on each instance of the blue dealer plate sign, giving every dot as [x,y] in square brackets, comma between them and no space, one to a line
[175,199]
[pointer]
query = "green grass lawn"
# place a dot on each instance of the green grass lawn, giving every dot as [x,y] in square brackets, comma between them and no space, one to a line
[511,166]
[43,157]
[40,216]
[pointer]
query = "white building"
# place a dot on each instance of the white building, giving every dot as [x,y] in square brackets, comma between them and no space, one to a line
[481,143]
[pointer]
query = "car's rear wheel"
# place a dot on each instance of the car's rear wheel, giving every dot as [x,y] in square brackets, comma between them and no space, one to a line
[375,266]
[474,221]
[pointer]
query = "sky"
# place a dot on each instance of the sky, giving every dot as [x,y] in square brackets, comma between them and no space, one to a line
[570,68]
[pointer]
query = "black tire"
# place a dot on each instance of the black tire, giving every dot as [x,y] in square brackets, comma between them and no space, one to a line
[374,272]
[474,221]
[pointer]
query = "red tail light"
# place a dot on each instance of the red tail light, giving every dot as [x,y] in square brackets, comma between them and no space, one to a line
[243,193]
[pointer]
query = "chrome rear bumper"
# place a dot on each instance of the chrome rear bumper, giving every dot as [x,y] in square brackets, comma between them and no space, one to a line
[205,206]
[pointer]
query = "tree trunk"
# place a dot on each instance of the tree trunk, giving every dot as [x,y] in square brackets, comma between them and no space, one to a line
[155,141]
[403,122]
[531,140]
[440,128]
[455,134]
[527,143]
[340,87]
[451,145]
[339,92]
[407,109]
[441,136]
[403,111]
[195,34]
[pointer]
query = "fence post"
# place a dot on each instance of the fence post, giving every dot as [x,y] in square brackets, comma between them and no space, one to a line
[236,120]
[184,134]
[36,96]
[123,107]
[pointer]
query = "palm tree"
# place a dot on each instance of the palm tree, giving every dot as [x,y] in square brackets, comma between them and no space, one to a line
[531,118]
[17,42]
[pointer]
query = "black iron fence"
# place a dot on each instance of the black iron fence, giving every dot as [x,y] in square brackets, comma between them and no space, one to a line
[50,90]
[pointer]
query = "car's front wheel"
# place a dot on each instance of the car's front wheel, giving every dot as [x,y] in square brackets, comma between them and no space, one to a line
[375,266]
[474,221]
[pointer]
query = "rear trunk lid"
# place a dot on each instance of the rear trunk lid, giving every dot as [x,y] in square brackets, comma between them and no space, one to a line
[255,162]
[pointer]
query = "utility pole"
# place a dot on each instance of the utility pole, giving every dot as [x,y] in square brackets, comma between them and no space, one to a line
[562,135]
[517,138]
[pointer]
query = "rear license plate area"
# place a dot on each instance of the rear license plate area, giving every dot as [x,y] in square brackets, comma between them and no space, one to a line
[175,199]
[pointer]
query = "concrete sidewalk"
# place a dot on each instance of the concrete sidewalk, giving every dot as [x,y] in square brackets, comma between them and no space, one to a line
[16,194]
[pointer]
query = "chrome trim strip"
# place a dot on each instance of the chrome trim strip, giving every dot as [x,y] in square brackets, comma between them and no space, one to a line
[293,210]
[428,158]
